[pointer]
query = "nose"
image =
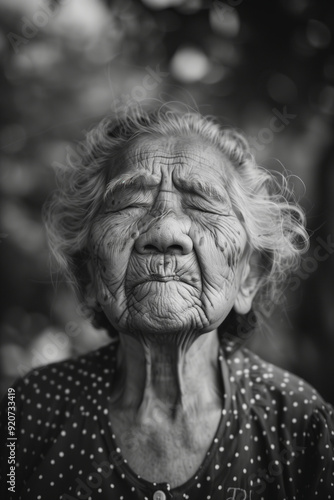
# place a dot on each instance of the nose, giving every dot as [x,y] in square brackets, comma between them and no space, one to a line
[167,235]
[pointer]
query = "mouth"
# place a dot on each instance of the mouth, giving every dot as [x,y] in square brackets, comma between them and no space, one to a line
[159,277]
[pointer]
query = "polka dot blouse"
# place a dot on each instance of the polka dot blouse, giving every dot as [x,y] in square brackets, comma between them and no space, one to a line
[275,439]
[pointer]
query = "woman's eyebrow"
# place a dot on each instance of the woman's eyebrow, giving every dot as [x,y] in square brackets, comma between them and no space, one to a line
[200,188]
[138,181]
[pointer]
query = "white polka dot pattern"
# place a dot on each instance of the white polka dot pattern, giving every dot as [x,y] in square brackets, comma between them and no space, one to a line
[275,439]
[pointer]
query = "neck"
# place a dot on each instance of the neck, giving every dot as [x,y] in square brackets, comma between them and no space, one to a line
[167,377]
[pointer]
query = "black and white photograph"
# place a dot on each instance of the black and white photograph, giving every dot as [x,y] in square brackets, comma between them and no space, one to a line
[167,250]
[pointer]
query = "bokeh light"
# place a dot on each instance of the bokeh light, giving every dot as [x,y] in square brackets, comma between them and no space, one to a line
[318,34]
[281,88]
[189,65]
[224,20]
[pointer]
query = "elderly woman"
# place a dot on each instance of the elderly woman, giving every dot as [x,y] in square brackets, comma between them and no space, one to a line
[168,223]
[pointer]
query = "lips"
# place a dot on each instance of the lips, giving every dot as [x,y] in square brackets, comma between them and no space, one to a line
[151,271]
[158,277]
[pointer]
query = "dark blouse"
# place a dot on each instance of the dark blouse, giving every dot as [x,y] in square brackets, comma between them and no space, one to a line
[275,439]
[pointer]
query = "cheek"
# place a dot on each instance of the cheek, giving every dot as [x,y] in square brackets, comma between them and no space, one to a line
[219,245]
[230,239]
[111,242]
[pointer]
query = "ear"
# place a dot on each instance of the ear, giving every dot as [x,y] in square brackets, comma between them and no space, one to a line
[249,285]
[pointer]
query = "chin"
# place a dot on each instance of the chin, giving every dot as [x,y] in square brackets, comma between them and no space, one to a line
[158,326]
[163,330]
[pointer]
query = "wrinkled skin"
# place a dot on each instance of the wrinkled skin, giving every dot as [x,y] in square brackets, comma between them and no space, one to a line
[167,254]
[169,261]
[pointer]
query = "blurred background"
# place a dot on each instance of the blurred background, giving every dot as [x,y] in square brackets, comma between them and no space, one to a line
[266,68]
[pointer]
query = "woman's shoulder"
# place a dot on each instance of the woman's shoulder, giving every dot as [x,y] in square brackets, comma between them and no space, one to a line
[49,399]
[66,380]
[291,417]
[275,388]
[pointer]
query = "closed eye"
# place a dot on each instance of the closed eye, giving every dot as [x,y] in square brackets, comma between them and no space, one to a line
[204,211]
[199,207]
[206,206]
[122,209]
[131,206]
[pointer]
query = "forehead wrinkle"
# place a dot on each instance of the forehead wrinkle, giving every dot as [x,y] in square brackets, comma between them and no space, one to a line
[147,157]
[151,151]
[149,164]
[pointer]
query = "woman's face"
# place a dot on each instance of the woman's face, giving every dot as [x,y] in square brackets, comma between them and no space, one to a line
[167,245]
